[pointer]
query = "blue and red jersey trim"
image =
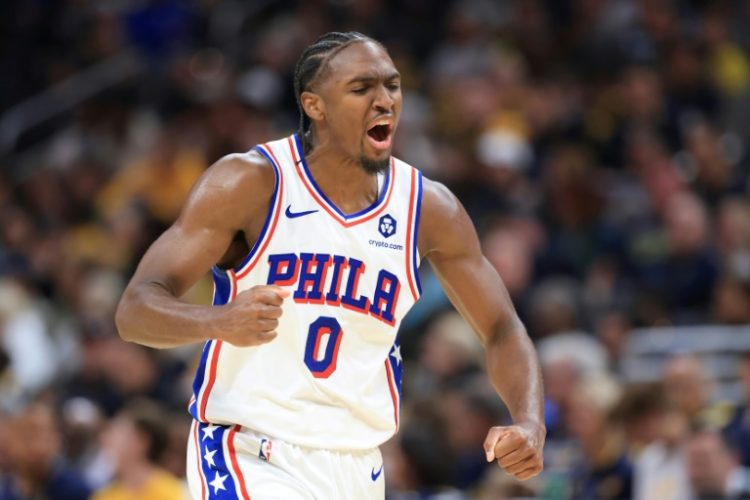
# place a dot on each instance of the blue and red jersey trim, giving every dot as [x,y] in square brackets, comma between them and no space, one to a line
[317,194]
[415,200]
[274,210]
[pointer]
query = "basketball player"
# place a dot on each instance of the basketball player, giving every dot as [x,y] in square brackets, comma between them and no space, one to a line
[314,242]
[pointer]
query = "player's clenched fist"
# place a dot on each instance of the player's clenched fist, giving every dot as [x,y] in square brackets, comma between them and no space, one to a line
[517,449]
[252,317]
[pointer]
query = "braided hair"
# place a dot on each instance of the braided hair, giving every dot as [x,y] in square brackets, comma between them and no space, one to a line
[311,65]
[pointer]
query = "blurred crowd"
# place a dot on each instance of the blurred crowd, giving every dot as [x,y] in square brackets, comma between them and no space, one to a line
[600,146]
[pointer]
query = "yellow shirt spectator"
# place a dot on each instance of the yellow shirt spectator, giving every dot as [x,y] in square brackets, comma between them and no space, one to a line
[159,486]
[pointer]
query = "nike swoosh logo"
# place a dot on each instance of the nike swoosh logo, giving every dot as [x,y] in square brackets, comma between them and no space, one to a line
[375,475]
[294,215]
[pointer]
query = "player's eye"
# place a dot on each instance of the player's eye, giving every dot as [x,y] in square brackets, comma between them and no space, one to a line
[360,90]
[394,86]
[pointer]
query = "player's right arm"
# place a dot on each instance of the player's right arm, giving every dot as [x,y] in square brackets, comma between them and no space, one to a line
[230,197]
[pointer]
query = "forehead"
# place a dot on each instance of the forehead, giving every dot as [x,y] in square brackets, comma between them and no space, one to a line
[360,59]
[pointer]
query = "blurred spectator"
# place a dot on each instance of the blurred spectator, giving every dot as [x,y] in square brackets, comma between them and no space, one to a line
[729,65]
[418,464]
[567,359]
[733,232]
[37,468]
[713,468]
[450,354]
[660,468]
[612,329]
[605,470]
[162,179]
[497,485]
[554,307]
[173,458]
[468,412]
[641,411]
[511,254]
[134,442]
[24,337]
[573,202]
[710,163]
[688,388]
[686,277]
[737,430]
[731,300]
[656,432]
[81,424]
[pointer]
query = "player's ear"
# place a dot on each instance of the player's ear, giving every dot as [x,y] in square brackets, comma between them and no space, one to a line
[313,105]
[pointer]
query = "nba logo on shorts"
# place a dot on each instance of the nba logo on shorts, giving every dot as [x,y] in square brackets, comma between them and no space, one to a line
[265,449]
[387,226]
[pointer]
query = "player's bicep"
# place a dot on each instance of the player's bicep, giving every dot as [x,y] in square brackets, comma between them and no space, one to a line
[218,206]
[181,255]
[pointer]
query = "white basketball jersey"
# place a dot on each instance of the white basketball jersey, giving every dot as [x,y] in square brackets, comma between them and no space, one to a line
[332,377]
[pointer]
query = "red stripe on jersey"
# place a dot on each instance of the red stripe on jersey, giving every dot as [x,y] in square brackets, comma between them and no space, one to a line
[211,379]
[233,284]
[215,355]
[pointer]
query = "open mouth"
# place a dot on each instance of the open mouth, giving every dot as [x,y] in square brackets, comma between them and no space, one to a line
[380,136]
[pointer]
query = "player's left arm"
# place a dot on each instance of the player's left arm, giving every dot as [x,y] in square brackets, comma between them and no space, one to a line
[448,239]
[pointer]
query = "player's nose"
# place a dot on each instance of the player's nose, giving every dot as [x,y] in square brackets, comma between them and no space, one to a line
[383,100]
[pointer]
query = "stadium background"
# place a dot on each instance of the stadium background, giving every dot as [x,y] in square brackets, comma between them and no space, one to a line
[600,146]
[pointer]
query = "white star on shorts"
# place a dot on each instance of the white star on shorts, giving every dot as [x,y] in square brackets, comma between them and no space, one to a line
[218,482]
[209,458]
[209,432]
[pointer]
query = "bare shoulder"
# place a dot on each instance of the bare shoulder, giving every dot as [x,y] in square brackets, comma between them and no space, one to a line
[437,199]
[238,173]
[444,225]
[233,190]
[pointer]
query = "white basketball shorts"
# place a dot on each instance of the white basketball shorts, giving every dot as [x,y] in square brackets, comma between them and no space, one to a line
[231,462]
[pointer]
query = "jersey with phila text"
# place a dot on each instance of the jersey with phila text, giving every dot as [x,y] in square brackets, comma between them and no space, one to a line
[332,376]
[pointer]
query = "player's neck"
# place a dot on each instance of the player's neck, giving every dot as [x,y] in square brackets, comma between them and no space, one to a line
[342,179]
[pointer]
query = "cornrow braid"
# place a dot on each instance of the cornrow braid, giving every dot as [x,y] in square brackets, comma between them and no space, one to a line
[311,64]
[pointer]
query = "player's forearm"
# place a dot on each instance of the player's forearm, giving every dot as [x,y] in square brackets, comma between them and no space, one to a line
[513,369]
[150,315]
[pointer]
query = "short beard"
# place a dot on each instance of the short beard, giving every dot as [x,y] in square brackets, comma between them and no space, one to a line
[374,167]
